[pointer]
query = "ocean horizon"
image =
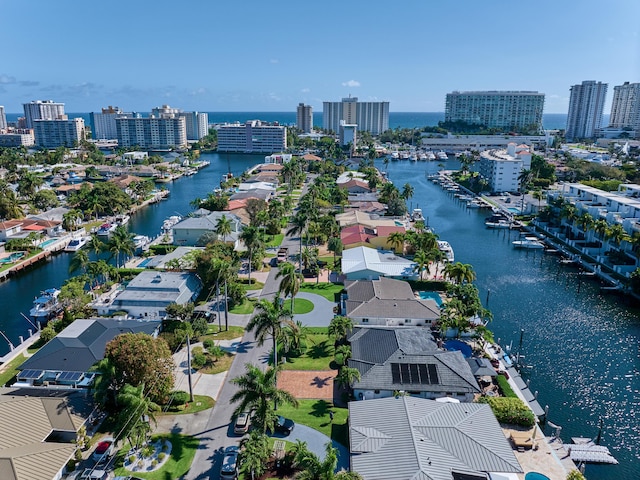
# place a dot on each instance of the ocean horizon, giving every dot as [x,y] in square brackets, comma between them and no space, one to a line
[550,121]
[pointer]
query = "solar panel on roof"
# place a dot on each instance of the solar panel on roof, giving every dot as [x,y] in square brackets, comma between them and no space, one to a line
[30,374]
[413,369]
[70,376]
[433,374]
[395,373]
[404,373]
[424,375]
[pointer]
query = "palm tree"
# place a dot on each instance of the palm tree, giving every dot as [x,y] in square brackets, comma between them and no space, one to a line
[121,243]
[96,245]
[136,411]
[255,453]
[396,240]
[436,256]
[290,283]
[346,376]
[459,272]
[335,245]
[344,351]
[253,240]
[71,219]
[422,260]
[293,334]
[617,234]
[80,260]
[258,393]
[312,468]
[223,227]
[298,227]
[268,321]
[407,191]
[339,328]
[538,195]
[453,317]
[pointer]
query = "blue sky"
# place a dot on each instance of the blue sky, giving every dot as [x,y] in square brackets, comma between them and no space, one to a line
[269,56]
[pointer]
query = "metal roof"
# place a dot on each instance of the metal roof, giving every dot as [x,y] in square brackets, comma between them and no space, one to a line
[418,438]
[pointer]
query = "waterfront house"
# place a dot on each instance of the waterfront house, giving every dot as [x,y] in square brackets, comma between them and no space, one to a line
[38,432]
[355,185]
[9,228]
[150,292]
[369,264]
[189,231]
[362,236]
[415,438]
[65,361]
[386,302]
[395,359]
[356,217]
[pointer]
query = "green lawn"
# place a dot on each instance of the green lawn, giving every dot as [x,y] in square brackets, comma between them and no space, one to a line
[275,241]
[11,369]
[315,414]
[327,290]
[329,260]
[182,453]
[214,334]
[319,354]
[254,285]
[244,308]
[200,403]
[301,306]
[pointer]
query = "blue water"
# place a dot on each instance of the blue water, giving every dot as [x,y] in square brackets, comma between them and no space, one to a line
[550,121]
[435,296]
[535,476]
[48,242]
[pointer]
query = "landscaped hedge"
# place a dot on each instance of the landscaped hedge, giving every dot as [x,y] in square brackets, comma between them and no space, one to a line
[510,410]
[503,383]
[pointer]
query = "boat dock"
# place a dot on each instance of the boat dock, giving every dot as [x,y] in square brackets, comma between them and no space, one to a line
[585,450]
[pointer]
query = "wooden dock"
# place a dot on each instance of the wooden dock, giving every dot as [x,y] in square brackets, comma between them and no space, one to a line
[584,450]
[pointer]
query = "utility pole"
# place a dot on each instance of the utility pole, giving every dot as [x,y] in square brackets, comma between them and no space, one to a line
[189,369]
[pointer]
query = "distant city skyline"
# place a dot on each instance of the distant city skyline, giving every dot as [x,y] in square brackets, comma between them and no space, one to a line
[215,57]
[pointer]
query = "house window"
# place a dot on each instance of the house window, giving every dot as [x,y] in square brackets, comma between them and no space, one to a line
[407,320]
[376,391]
[365,320]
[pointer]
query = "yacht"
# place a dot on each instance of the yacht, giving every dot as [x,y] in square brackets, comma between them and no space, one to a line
[528,242]
[422,157]
[430,156]
[140,242]
[46,305]
[395,156]
[168,224]
[442,155]
[445,248]
[122,219]
[76,244]
[416,215]
[106,229]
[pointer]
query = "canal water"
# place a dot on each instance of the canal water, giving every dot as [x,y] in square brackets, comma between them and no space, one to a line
[582,346]
[17,293]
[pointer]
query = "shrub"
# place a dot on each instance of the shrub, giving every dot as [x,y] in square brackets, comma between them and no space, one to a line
[162,455]
[179,398]
[510,410]
[147,451]
[506,389]
[131,459]
[575,475]
[154,463]
[198,358]
[208,343]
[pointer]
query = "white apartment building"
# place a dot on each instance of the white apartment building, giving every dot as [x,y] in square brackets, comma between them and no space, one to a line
[372,117]
[625,108]
[348,134]
[17,139]
[586,104]
[3,119]
[197,124]
[152,133]
[252,136]
[501,168]
[508,110]
[304,118]
[58,133]
[42,110]
[103,125]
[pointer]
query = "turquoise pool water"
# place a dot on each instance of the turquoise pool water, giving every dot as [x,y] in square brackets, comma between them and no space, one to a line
[144,262]
[435,296]
[514,210]
[535,476]
[48,242]
[12,258]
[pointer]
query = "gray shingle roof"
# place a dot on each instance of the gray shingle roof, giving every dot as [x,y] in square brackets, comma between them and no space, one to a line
[82,344]
[418,438]
[374,349]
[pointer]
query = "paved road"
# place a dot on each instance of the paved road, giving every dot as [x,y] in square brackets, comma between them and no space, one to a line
[214,429]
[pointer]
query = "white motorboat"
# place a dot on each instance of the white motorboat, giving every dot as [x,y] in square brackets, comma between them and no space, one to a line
[168,224]
[430,156]
[442,155]
[498,224]
[76,244]
[528,242]
[46,305]
[445,248]
[140,242]
[106,229]
[416,215]
[122,219]
[395,156]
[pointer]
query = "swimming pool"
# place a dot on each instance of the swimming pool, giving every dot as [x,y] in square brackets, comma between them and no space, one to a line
[48,242]
[428,295]
[514,210]
[12,258]
[462,347]
[535,476]
[144,262]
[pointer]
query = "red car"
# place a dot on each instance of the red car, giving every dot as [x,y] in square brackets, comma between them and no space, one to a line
[104,450]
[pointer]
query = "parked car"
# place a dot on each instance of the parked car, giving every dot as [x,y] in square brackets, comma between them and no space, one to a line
[285,425]
[104,450]
[229,468]
[241,426]
[93,474]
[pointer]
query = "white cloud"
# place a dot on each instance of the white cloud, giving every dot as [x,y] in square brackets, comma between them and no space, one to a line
[351,83]
[198,91]
[6,79]
[305,90]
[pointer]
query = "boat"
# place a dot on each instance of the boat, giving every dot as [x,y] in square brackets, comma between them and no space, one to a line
[122,219]
[528,242]
[404,155]
[430,156]
[395,156]
[442,155]
[46,305]
[168,224]
[445,248]
[106,229]
[416,215]
[501,223]
[140,242]
[474,203]
[422,157]
[76,244]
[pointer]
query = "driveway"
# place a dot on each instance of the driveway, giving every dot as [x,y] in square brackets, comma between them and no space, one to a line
[321,314]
